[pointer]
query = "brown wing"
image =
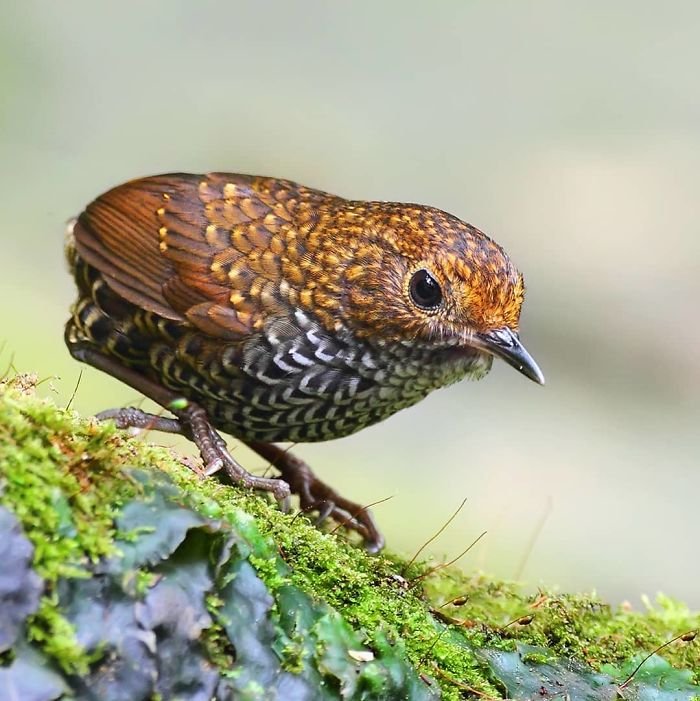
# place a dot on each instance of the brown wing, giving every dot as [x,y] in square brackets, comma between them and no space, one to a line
[204,249]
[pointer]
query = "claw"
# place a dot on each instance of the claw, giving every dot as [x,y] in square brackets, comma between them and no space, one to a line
[213,467]
[325,509]
[374,546]
[315,495]
[285,504]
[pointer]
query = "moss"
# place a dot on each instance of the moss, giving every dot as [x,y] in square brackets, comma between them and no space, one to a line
[367,591]
[56,636]
[579,626]
[293,656]
[65,479]
[216,643]
[59,477]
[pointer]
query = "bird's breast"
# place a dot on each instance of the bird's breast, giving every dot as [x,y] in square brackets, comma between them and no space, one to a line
[295,381]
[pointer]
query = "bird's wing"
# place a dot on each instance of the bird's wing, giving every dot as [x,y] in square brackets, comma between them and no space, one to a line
[201,249]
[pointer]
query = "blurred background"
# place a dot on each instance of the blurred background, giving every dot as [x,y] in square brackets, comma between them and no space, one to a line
[570,132]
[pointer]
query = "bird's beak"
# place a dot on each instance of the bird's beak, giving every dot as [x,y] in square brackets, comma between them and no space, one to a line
[504,344]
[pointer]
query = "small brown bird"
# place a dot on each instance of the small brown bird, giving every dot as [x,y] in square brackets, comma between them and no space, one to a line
[275,312]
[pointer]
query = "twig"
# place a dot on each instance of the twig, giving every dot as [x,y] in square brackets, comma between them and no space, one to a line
[432,645]
[10,366]
[533,539]
[75,389]
[520,620]
[686,637]
[456,601]
[461,685]
[359,511]
[432,538]
[417,579]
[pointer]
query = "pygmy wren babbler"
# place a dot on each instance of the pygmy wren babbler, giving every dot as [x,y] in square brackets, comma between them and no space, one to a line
[275,312]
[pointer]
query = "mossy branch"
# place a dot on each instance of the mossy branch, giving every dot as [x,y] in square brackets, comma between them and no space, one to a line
[124,575]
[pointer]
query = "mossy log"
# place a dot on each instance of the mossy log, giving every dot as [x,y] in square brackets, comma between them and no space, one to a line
[123,575]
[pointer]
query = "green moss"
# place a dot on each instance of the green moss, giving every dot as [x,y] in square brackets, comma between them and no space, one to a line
[143,581]
[579,626]
[57,637]
[293,655]
[366,590]
[215,641]
[64,478]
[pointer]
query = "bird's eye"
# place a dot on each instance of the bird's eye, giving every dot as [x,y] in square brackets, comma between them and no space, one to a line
[425,290]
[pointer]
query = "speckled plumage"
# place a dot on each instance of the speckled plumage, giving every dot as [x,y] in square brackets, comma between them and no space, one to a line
[284,312]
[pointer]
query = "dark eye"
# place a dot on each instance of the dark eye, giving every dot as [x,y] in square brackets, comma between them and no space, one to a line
[425,290]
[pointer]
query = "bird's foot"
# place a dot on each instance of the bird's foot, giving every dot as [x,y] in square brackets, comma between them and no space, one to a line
[192,422]
[315,495]
[131,417]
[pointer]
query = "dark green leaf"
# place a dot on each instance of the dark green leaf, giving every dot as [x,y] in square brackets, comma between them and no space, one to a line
[258,674]
[155,525]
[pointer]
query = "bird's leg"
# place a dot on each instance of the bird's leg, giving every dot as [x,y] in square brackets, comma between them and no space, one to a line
[131,417]
[192,422]
[317,495]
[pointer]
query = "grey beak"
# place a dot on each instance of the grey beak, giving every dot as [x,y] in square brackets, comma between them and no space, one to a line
[504,344]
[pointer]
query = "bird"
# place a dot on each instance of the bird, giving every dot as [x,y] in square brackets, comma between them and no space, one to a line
[278,313]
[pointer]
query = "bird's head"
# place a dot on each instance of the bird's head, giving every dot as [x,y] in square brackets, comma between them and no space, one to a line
[422,276]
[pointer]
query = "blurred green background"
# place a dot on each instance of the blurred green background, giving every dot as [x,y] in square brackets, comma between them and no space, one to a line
[568,131]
